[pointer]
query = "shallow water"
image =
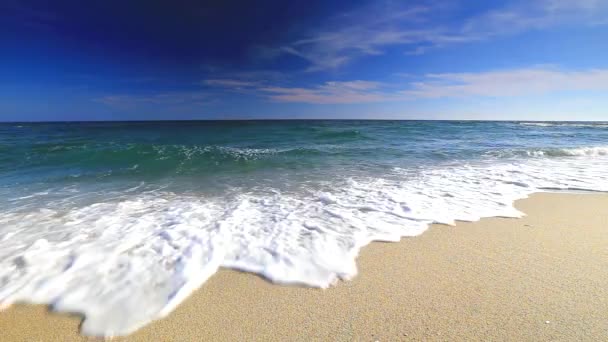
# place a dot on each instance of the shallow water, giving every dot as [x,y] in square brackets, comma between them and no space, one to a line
[121,221]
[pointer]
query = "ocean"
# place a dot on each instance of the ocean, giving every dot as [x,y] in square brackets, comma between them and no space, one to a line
[121,221]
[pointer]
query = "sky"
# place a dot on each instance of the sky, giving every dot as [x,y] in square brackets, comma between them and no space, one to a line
[66,60]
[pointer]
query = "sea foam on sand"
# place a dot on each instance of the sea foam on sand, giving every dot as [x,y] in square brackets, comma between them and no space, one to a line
[129,260]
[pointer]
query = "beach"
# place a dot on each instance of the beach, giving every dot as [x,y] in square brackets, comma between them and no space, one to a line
[542,277]
[301,171]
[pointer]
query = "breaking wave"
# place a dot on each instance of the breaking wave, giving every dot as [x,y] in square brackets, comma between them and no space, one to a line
[596,151]
[122,221]
[566,124]
[130,260]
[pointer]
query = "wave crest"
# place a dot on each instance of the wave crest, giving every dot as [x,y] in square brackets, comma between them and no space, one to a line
[124,262]
[565,124]
[595,151]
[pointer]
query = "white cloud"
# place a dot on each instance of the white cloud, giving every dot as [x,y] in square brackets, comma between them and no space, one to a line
[364,32]
[371,30]
[230,83]
[534,15]
[517,82]
[165,99]
[330,93]
[243,81]
[464,85]
[502,83]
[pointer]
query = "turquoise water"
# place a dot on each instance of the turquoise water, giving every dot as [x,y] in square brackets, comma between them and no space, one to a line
[210,156]
[107,218]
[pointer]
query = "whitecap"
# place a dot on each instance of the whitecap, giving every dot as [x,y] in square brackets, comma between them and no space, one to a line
[130,260]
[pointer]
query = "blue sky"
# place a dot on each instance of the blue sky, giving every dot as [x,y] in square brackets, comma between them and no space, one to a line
[151,60]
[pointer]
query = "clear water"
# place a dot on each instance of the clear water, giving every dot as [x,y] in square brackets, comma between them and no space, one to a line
[121,221]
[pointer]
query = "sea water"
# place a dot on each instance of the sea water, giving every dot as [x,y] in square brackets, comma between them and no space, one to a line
[122,221]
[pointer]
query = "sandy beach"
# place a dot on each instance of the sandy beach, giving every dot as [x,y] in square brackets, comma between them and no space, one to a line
[543,277]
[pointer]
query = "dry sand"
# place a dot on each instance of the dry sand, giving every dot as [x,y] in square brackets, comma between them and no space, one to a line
[540,278]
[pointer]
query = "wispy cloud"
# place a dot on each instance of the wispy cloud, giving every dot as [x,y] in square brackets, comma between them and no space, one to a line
[371,31]
[242,81]
[156,99]
[230,83]
[363,32]
[536,80]
[533,15]
[517,82]
[501,83]
[330,93]
[214,72]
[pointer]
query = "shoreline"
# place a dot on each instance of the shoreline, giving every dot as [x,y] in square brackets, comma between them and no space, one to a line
[497,278]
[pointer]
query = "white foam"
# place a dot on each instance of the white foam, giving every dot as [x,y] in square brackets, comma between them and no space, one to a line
[591,151]
[586,151]
[188,152]
[126,262]
[538,124]
[566,124]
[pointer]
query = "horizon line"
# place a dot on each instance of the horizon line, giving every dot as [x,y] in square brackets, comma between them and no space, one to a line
[284,119]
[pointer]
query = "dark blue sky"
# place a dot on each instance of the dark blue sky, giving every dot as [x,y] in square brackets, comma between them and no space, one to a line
[139,60]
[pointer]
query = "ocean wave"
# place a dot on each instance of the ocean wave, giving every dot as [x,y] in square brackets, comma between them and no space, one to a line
[592,151]
[159,160]
[109,152]
[152,157]
[348,134]
[565,124]
[126,261]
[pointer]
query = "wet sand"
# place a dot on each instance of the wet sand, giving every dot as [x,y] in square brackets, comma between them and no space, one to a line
[542,277]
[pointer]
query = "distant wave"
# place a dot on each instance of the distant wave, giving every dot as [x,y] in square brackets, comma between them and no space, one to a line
[565,124]
[350,134]
[109,153]
[157,160]
[572,152]
[596,151]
